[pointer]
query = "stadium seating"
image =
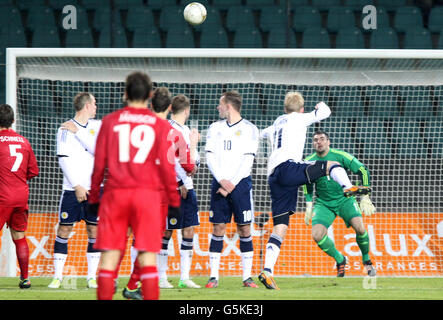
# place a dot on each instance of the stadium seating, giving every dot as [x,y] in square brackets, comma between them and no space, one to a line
[346,101]
[39,16]
[184,3]
[172,18]
[226,4]
[272,18]
[407,140]
[383,102]
[316,37]
[239,18]
[325,5]
[59,4]
[305,17]
[350,38]
[104,18]
[126,4]
[416,102]
[26,4]
[376,144]
[384,38]
[436,19]
[259,4]
[248,38]
[13,37]
[407,17]
[440,40]
[115,38]
[139,17]
[392,5]
[279,38]
[212,37]
[81,38]
[417,38]
[46,37]
[357,5]
[144,38]
[340,18]
[160,4]
[180,37]
[10,17]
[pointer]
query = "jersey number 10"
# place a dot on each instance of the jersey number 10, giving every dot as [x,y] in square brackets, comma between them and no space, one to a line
[141,137]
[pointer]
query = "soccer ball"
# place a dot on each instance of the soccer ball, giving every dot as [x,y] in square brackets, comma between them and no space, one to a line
[195,13]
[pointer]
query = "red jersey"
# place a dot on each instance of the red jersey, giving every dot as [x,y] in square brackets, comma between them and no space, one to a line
[182,151]
[132,145]
[17,165]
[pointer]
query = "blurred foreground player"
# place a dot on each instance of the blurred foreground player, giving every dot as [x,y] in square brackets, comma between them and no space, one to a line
[17,165]
[133,148]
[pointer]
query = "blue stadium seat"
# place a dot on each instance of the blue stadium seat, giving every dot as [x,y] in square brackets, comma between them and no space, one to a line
[383,102]
[316,37]
[408,139]
[93,5]
[417,103]
[248,38]
[239,17]
[376,144]
[212,37]
[59,4]
[226,4]
[340,18]
[440,40]
[382,18]
[26,4]
[103,18]
[144,38]
[10,17]
[278,38]
[340,134]
[260,4]
[81,38]
[160,4]
[213,18]
[407,17]
[436,19]
[45,37]
[357,5]
[139,17]
[325,5]
[433,132]
[350,38]
[13,37]
[126,4]
[38,16]
[346,101]
[180,37]
[417,38]
[384,38]
[305,17]
[172,18]
[294,3]
[119,39]
[184,3]
[392,5]
[272,18]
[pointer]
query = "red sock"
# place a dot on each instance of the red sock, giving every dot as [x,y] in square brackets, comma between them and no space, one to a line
[135,276]
[105,283]
[22,251]
[149,279]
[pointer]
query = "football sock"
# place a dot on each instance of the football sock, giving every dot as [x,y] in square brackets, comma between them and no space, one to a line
[22,251]
[328,246]
[162,259]
[93,258]
[363,244]
[185,258]
[272,252]
[247,255]
[215,249]
[135,276]
[105,284]
[149,279]
[60,255]
[339,174]
[134,254]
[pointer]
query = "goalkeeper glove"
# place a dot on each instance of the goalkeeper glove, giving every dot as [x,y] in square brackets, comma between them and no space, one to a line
[366,205]
[309,213]
[173,212]
[93,208]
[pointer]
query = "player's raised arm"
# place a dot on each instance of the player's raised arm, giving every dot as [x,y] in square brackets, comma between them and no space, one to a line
[321,112]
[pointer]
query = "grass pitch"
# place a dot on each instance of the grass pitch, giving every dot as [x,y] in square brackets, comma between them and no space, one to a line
[230,288]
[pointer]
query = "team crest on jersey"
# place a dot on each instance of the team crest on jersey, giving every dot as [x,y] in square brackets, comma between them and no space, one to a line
[64,215]
[238,133]
[211,214]
[173,221]
[92,132]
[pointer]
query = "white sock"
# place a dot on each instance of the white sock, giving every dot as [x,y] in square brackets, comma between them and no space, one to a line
[246,261]
[341,177]
[93,259]
[162,263]
[134,254]
[214,263]
[59,264]
[272,253]
[185,263]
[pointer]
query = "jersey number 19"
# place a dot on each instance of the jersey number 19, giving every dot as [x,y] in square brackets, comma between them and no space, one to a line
[141,137]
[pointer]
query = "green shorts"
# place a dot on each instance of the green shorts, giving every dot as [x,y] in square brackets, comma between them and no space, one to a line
[325,214]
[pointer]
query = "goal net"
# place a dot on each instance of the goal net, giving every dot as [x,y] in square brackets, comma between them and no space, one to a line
[387,110]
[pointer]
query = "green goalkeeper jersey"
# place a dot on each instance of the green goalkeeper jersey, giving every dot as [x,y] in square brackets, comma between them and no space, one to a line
[326,188]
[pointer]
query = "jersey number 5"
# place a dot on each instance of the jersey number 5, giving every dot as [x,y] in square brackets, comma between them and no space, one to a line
[18,156]
[141,137]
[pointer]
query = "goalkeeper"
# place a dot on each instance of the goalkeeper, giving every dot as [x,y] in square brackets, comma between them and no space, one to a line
[330,202]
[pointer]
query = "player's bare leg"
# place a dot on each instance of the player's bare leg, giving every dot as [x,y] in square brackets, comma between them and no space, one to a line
[92,256]
[215,249]
[186,258]
[247,254]
[22,252]
[149,275]
[362,239]
[320,236]
[60,254]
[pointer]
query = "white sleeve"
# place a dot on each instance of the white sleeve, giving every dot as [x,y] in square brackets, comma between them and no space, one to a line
[267,132]
[181,173]
[211,161]
[87,139]
[65,163]
[319,114]
[63,148]
[251,146]
[244,169]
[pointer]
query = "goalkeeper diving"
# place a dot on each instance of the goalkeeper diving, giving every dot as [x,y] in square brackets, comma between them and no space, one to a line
[331,202]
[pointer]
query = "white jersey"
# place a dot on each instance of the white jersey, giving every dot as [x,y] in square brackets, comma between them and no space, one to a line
[181,173]
[76,154]
[287,135]
[230,145]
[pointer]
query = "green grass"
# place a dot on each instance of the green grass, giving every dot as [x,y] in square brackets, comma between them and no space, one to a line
[230,288]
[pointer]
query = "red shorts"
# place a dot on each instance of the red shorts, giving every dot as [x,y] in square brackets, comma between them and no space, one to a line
[136,208]
[15,217]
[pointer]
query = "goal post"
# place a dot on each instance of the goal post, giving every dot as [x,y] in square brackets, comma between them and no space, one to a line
[387,111]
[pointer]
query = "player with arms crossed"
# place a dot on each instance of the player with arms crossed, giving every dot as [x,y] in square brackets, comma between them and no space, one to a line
[17,165]
[330,202]
[161,104]
[134,149]
[231,145]
[75,151]
[287,172]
